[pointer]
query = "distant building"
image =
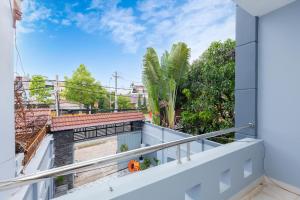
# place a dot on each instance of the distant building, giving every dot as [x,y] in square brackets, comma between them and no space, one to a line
[64,105]
[138,90]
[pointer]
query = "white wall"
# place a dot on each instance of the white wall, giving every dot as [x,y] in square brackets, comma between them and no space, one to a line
[7,135]
[279,92]
[153,134]
[132,140]
[42,160]
[199,178]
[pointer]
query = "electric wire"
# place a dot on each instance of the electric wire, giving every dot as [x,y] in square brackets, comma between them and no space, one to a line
[78,84]
[18,53]
[77,88]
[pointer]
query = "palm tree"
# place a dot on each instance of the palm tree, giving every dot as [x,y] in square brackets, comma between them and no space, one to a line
[152,76]
[162,79]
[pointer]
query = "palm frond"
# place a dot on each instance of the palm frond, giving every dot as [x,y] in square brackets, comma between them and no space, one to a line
[152,75]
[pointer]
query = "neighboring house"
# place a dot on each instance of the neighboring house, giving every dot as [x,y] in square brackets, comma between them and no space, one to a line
[138,90]
[67,107]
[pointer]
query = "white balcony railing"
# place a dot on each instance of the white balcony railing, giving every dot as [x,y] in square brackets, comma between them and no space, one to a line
[225,172]
[84,165]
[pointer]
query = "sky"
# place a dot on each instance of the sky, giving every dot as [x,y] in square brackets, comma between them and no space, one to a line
[55,37]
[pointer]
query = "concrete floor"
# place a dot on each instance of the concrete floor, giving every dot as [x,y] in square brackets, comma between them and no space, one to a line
[95,149]
[270,191]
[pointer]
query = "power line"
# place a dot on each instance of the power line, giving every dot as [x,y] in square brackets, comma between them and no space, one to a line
[18,54]
[47,80]
[103,86]
[77,88]
[16,47]
[81,84]
[134,82]
[87,90]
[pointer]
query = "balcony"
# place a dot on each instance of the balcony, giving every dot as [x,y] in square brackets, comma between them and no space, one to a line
[219,173]
[192,167]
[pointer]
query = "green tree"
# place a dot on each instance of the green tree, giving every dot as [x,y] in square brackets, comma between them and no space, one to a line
[139,101]
[209,90]
[124,102]
[103,102]
[152,78]
[83,88]
[162,80]
[145,102]
[39,90]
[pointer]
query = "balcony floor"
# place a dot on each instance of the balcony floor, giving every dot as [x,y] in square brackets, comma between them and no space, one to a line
[269,191]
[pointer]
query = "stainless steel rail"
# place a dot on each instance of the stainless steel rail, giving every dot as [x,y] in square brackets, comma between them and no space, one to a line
[89,164]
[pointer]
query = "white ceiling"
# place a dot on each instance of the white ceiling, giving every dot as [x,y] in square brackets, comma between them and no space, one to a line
[261,7]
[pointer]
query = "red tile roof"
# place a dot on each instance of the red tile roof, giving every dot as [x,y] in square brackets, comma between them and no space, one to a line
[79,121]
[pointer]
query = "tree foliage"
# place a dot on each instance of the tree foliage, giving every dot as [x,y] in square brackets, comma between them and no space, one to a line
[162,80]
[139,103]
[209,90]
[103,101]
[39,90]
[152,78]
[83,88]
[145,103]
[124,103]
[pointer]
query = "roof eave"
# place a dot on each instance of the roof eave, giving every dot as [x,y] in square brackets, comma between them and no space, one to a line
[262,7]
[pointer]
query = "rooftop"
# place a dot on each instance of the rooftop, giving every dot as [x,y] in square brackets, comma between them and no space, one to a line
[78,121]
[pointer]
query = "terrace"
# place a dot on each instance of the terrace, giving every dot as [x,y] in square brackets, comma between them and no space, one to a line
[262,162]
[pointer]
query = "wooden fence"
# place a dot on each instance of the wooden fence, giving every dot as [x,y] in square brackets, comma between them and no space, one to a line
[33,145]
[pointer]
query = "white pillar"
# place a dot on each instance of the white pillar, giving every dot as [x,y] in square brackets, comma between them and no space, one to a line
[7,133]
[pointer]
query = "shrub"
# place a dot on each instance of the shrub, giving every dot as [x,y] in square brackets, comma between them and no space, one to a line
[59,180]
[146,164]
[124,147]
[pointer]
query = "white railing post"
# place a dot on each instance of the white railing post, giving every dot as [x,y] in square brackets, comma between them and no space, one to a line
[178,154]
[188,151]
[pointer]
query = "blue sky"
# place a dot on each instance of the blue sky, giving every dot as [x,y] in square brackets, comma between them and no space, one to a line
[55,37]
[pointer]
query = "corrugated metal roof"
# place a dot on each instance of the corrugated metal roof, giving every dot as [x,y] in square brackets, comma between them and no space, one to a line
[61,123]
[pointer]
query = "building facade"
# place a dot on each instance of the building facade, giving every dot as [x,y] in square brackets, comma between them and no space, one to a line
[267,82]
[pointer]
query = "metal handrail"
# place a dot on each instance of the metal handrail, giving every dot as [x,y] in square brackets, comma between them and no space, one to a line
[89,164]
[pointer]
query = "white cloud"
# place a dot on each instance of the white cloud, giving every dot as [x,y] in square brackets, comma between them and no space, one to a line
[96,4]
[54,21]
[123,26]
[66,22]
[160,23]
[102,4]
[196,23]
[119,23]
[153,10]
[33,13]
[89,23]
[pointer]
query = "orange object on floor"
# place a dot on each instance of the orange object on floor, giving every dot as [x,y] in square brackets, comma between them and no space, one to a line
[133,166]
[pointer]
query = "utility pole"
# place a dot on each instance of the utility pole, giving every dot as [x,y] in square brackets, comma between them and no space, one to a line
[109,93]
[57,96]
[115,75]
